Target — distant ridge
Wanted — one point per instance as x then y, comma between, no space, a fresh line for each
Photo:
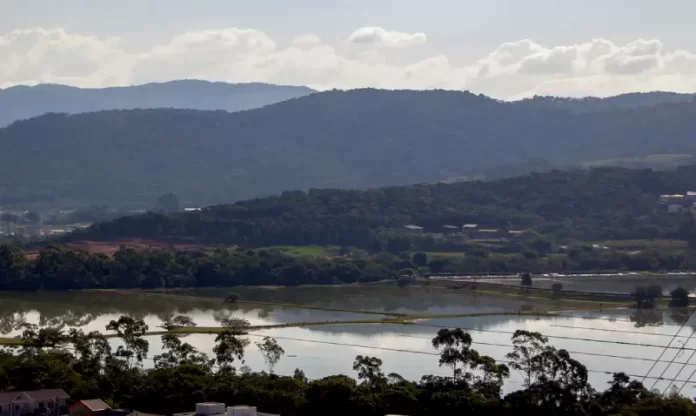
23,102
334,139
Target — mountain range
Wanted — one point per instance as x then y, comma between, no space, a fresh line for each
22,102
335,139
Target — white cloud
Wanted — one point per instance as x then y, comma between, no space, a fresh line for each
512,70
377,36
306,40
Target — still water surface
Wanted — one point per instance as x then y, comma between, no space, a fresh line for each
605,341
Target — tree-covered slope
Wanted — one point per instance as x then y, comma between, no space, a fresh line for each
586,205
354,139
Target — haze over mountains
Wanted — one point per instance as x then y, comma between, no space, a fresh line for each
24,102
335,139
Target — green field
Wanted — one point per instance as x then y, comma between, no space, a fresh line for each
320,251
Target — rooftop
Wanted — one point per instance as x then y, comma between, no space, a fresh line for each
413,227
35,395
469,225
95,405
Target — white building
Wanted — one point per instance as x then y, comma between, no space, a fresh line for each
47,402
219,409
413,229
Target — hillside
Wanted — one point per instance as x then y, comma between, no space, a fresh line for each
600,204
619,102
354,139
24,102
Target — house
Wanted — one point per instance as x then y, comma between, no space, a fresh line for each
515,233
191,209
48,402
219,409
413,229
450,229
467,227
675,208
91,407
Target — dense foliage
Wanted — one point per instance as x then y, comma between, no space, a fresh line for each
553,382
344,139
601,204
57,268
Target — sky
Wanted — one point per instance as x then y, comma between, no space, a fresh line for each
507,49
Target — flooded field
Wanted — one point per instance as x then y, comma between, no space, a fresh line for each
618,283
605,341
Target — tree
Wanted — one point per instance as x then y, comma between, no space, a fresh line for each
526,279
180,321
177,353
420,259
131,331
369,370
236,326
548,372
232,298
271,351
404,281
228,346
455,352
527,348
680,298
91,351
557,288
645,296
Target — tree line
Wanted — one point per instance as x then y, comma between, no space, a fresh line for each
599,204
61,268
87,366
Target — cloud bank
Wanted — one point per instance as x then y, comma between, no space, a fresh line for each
513,70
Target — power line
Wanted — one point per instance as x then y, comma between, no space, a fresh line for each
592,354
685,381
676,334
617,330
683,365
601,341
598,318
416,352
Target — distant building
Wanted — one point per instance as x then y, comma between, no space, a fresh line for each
515,233
47,402
488,234
466,227
450,229
675,208
192,209
413,229
218,409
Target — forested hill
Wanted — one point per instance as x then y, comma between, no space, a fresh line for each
587,205
619,102
24,102
354,139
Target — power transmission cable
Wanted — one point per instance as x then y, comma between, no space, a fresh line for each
676,334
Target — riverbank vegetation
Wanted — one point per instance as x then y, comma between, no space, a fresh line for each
86,366
59,268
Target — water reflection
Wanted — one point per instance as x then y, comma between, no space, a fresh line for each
606,341
95,309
